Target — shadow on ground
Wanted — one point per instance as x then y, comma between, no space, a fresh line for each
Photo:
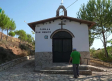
30,64
7,55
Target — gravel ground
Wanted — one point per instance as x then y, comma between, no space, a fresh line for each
25,72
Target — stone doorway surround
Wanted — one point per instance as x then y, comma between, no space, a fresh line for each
58,30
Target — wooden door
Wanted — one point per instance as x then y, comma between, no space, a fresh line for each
62,49
57,50
67,49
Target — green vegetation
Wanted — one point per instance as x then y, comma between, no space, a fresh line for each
29,38
23,47
9,25
25,37
11,33
6,23
26,48
3,21
0,10
21,35
100,54
99,11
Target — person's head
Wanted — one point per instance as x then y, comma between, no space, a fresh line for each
74,49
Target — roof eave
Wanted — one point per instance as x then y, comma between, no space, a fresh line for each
92,25
33,24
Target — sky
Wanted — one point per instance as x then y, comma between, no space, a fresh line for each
35,10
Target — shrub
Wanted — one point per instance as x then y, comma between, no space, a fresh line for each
25,53
6,55
109,49
92,51
100,54
11,34
23,47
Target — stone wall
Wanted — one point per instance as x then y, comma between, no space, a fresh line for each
42,58
84,54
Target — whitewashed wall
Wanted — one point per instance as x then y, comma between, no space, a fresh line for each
80,31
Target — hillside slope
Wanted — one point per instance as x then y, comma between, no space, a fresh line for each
12,48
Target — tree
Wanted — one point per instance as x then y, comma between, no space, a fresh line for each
33,32
3,21
110,41
33,41
0,10
91,39
7,25
29,38
11,33
99,11
21,35
10,26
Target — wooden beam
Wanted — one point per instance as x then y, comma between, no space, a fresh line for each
49,21
89,25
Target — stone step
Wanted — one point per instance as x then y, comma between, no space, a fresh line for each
65,68
81,72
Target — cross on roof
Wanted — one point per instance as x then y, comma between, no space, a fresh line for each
62,24
61,2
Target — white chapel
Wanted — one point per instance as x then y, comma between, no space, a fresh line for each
56,37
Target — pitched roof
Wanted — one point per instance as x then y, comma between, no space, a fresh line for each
89,23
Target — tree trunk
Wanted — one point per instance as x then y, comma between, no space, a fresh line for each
7,35
20,40
104,43
1,34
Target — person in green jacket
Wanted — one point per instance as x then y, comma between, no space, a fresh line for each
76,60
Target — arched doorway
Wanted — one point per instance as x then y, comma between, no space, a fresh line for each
62,46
